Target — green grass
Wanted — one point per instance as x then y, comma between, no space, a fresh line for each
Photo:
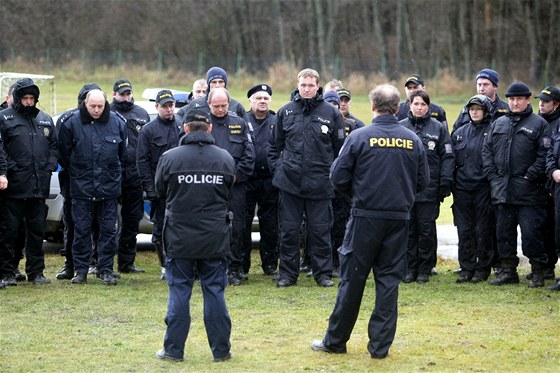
442,326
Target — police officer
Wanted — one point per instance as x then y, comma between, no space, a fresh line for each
216,77
3,183
422,244
345,105
472,209
340,203
549,109
416,83
132,204
156,137
382,167
486,84
232,134
260,191
92,144
306,139
67,272
30,147
195,180
514,156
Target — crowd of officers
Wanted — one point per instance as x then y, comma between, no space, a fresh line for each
500,161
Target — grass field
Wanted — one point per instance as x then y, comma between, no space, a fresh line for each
443,327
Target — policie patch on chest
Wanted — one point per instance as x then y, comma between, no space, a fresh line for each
234,129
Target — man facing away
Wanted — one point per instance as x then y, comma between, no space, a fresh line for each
194,181
382,166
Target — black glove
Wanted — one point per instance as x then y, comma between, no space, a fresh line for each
149,194
444,191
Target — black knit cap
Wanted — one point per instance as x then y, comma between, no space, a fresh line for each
518,89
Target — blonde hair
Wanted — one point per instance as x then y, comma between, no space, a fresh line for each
305,73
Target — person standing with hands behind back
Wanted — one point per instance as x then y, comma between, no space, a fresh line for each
375,159
196,235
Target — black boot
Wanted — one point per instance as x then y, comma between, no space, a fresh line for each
506,276
66,273
537,280
555,287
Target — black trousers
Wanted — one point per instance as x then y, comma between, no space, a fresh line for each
236,205
132,210
378,245
263,196
341,206
531,221
318,220
473,216
422,238
31,214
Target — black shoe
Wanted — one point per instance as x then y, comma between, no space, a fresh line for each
222,359
284,283
464,277
270,271
116,275
555,287
9,280
131,269
242,276
161,354
40,279
479,277
325,283
422,278
66,273
506,276
379,356
80,279
336,272
548,274
317,345
107,278
410,277
19,276
2,285
234,280
537,280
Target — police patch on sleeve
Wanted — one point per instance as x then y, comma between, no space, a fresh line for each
341,133
448,149
546,142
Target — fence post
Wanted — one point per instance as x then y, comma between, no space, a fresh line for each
160,64
336,68
238,63
119,57
200,63
83,59
48,59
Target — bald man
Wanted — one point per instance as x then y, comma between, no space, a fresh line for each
92,144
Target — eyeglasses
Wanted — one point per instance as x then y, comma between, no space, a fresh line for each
474,108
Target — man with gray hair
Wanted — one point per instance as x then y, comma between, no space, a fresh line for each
375,159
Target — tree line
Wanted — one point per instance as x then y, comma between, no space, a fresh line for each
337,37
